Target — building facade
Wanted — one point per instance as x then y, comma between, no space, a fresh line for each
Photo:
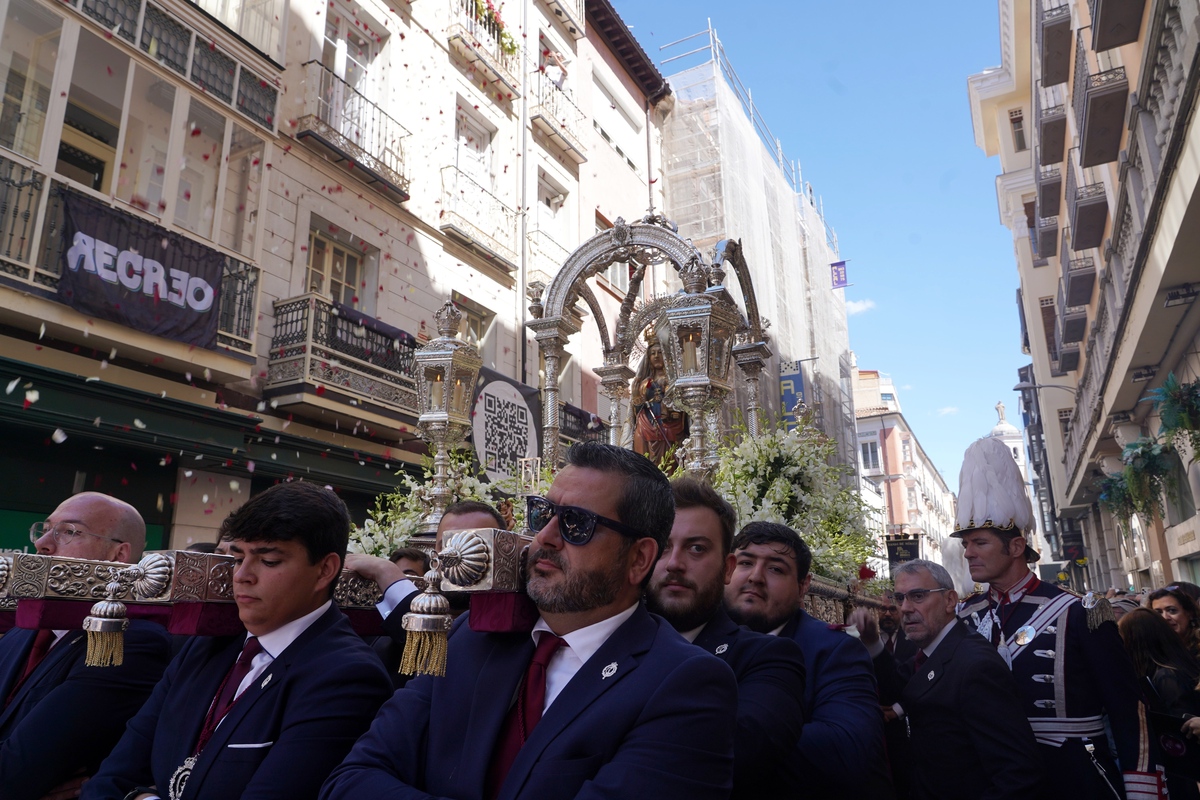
226,229
918,506
1091,114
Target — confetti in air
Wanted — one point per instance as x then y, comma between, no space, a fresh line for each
58,436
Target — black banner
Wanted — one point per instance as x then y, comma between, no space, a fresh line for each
902,550
506,424
126,270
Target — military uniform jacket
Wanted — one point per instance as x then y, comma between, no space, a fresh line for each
1070,666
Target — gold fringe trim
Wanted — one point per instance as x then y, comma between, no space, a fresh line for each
1099,614
105,649
424,653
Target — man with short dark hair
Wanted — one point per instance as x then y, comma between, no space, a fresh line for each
969,739
60,717
687,588
841,749
412,561
267,714
604,699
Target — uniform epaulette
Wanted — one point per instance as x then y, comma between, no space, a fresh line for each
1070,591
972,603
1099,614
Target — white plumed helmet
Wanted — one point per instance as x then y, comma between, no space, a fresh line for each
991,493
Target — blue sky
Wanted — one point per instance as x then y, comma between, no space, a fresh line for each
871,98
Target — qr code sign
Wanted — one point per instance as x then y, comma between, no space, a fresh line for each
506,434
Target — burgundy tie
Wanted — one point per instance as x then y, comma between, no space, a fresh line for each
41,646
891,643
919,660
524,715
227,694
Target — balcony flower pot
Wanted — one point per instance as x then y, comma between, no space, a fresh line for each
1148,475
1115,499
1178,408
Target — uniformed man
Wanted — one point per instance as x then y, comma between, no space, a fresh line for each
1065,651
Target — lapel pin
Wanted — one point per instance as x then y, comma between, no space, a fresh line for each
608,671
929,676
721,648
266,680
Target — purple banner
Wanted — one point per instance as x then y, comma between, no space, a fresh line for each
126,270
838,268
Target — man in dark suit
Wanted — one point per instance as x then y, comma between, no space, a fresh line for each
604,699
687,589
270,713
969,738
841,749
60,717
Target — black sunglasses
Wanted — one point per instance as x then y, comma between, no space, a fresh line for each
575,525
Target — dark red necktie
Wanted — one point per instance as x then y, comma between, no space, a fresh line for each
891,644
524,715
919,660
41,646
227,694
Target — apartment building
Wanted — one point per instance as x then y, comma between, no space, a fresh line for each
1091,114
918,506
225,227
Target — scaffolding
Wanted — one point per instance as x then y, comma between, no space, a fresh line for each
725,175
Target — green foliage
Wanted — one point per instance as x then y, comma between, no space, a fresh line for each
489,14
793,477
1178,407
1115,498
1149,475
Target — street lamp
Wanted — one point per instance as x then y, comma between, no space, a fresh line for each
447,370
696,331
1026,385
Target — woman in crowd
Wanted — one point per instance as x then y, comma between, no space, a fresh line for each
1177,607
1160,657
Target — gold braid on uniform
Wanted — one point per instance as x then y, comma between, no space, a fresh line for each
1099,614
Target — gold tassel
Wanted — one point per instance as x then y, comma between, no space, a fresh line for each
1099,613
105,627
427,627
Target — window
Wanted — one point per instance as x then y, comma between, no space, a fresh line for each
143,169
260,22
243,185
28,50
887,397
196,197
333,269
1017,120
474,143
870,455
552,217
1064,420
476,319
92,123
906,447
618,127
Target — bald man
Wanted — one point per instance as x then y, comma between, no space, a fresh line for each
60,718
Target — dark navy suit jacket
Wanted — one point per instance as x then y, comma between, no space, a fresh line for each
67,716
648,715
841,748
770,715
970,738
282,737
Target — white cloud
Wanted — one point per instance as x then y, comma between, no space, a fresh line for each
906,387
948,410
858,306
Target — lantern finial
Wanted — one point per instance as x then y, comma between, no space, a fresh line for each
448,318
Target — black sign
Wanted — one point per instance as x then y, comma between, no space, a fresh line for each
124,269
901,550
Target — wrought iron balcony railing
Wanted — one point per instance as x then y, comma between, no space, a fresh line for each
478,218
480,37
350,128
32,239
570,14
1099,98
557,116
578,425
319,342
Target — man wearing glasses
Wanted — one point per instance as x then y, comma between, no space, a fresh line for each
967,734
601,695
60,718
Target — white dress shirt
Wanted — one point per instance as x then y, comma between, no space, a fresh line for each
276,642
581,645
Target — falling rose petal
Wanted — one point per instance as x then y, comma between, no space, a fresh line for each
187,473
320,390
42,331
250,467
207,374
204,499
12,385
31,396
187,376
159,503
141,426
112,354
96,422
92,379
58,436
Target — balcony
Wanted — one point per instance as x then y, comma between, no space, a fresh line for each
1072,321
570,14
1054,42
556,115
1087,207
326,357
345,126
480,40
476,218
1068,358
1049,188
1100,103
1079,274
546,256
1115,22
577,425
1047,236
32,240
1051,119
